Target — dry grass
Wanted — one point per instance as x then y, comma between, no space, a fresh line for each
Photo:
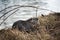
17,35
48,29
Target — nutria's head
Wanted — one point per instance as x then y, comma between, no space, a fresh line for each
33,20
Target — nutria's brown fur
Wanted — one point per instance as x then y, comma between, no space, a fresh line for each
25,25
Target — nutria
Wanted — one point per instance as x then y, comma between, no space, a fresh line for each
25,25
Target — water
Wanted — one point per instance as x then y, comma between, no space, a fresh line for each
23,13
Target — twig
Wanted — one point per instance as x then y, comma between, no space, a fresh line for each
8,16
16,8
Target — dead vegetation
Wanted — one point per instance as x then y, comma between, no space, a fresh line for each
48,29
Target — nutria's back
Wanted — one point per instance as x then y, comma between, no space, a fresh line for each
23,25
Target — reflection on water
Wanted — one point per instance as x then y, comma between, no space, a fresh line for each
22,14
